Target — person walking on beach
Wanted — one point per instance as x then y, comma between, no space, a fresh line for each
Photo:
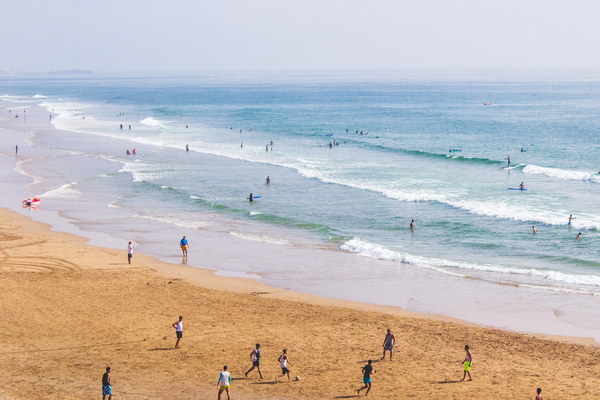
467,363
255,358
106,386
283,363
183,243
539,394
367,371
224,382
178,325
129,252
388,344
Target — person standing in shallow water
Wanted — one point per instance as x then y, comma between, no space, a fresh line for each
412,224
183,243
129,252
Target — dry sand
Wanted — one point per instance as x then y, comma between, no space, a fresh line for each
69,310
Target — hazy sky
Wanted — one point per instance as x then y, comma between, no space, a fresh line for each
105,35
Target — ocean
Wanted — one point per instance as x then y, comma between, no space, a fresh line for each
350,163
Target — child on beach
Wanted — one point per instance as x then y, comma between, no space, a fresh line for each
224,382
367,371
283,363
255,358
467,363
539,394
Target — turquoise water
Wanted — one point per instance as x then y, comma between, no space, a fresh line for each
358,196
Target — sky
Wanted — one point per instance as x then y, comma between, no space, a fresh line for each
301,35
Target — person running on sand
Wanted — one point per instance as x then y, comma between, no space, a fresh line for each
106,386
283,363
467,363
178,325
367,371
539,394
183,243
388,344
129,252
224,382
255,358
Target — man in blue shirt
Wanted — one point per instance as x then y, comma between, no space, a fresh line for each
184,246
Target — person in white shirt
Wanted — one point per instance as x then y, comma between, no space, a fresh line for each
224,382
178,325
283,363
129,252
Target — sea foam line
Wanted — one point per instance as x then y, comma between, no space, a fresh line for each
366,249
584,176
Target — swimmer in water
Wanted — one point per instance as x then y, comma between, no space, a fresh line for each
412,224
268,180
522,186
533,230
578,237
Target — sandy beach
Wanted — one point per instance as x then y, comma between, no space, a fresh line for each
70,309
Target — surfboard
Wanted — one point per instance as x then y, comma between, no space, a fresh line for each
256,197
515,188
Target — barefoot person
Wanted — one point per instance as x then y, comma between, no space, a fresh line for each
106,387
467,363
255,358
224,382
283,363
388,344
539,394
367,371
183,243
178,325
129,252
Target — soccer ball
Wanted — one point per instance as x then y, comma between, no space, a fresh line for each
297,378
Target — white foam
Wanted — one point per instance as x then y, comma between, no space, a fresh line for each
142,172
259,238
114,205
173,220
371,250
563,174
64,192
39,96
154,122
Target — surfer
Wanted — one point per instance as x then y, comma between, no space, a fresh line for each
268,180
522,186
412,224
250,198
578,237
508,161
571,218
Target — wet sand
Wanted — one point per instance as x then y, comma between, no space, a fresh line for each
70,309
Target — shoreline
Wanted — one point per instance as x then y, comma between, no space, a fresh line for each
423,277
60,283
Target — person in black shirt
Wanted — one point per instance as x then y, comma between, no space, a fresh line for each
367,371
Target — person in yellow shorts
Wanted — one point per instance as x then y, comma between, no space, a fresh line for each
224,382
183,243
467,363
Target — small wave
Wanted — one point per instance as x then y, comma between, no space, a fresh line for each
64,192
371,250
154,122
259,238
141,172
255,213
176,221
39,96
563,174
114,205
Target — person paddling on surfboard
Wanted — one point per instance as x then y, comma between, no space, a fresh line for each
522,186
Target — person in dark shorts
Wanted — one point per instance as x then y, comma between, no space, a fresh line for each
178,325
388,344
367,371
283,363
255,358
129,252
106,387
